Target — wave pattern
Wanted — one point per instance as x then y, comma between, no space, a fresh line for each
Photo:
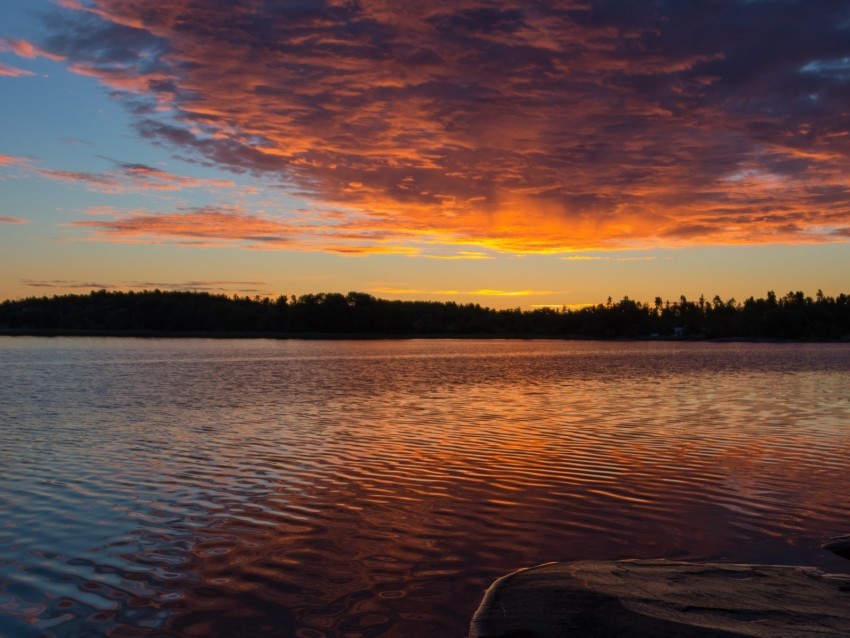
374,489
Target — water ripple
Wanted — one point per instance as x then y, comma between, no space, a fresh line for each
373,489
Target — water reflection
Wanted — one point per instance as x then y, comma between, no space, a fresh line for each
309,489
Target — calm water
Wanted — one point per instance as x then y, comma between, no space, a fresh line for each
365,489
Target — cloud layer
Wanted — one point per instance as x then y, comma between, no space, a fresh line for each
216,287
125,177
521,126
129,177
234,226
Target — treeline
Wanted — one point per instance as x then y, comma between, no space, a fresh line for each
794,316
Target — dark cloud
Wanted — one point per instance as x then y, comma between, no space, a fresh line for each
65,283
516,125
244,287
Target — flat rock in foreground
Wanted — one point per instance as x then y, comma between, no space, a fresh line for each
664,599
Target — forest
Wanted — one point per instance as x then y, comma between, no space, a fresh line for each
794,316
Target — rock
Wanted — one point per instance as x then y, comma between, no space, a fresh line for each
838,545
664,599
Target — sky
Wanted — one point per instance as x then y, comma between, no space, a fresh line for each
507,153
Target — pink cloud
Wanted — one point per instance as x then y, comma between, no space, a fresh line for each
130,177
25,49
233,226
13,220
8,160
13,72
199,226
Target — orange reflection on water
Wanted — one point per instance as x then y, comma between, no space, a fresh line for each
375,488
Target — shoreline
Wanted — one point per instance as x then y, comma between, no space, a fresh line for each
355,336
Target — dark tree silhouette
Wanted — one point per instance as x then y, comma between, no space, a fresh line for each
792,316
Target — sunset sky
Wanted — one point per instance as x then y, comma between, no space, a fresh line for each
501,152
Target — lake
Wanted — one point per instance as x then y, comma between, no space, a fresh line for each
364,489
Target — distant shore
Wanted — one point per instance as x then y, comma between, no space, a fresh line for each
317,336
790,318
356,336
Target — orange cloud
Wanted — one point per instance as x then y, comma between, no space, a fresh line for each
494,125
13,220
